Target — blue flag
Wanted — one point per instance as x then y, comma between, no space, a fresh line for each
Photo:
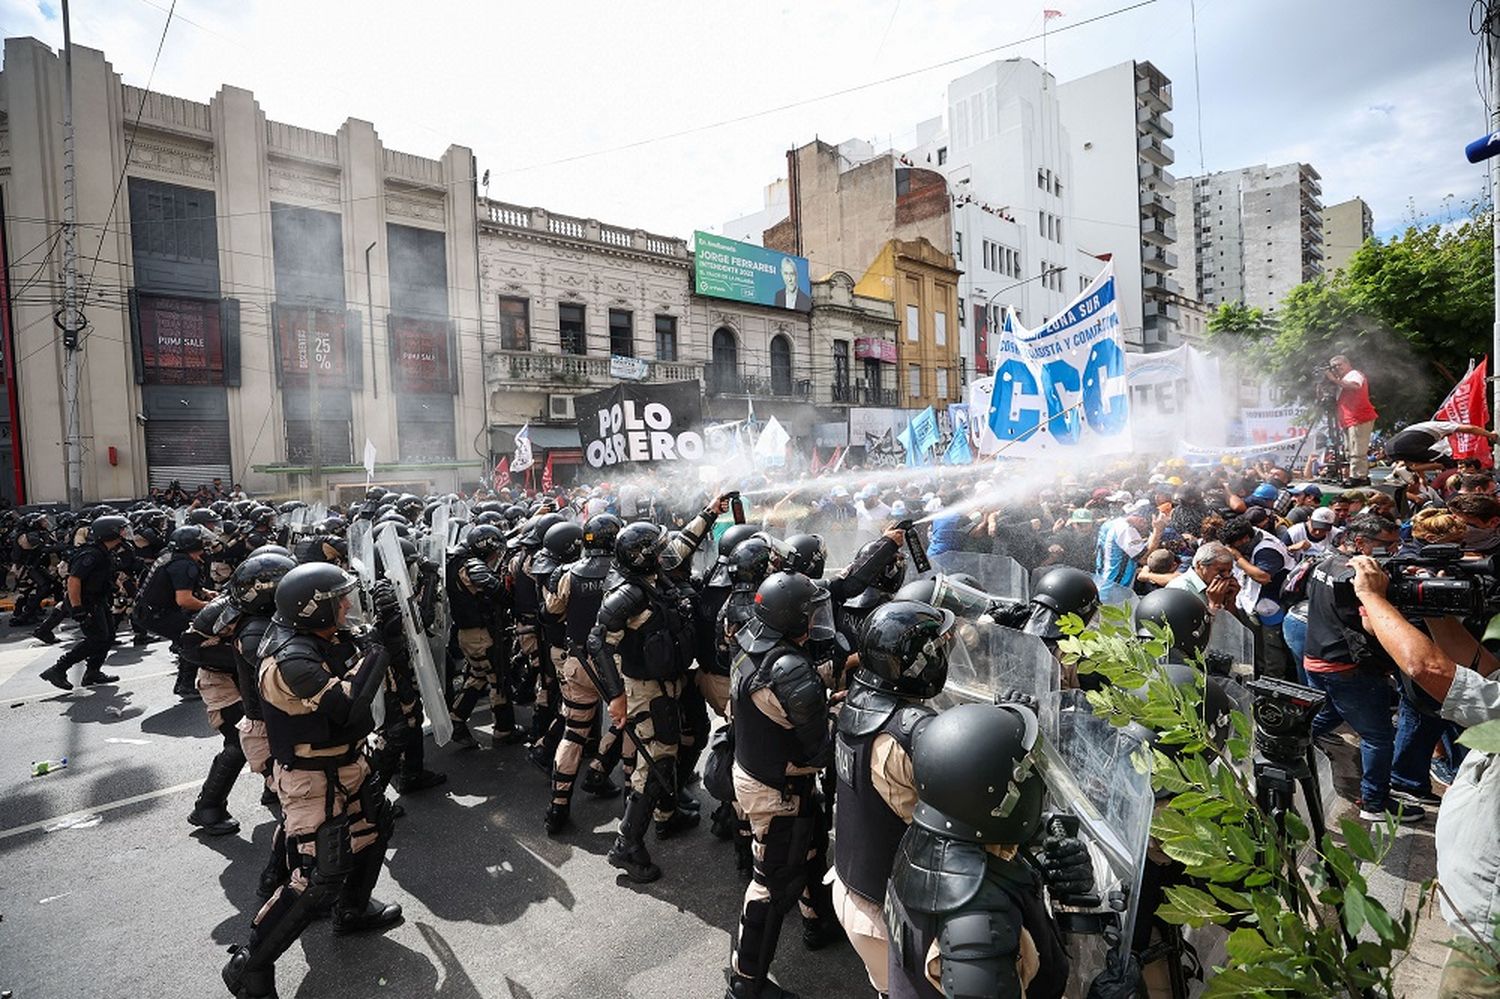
959,452
906,439
924,428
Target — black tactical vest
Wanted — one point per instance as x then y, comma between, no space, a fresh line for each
763,748
285,732
588,581
525,596
653,650
249,633
466,606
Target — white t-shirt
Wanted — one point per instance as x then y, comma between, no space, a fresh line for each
871,517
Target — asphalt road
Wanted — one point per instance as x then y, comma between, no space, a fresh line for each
106,891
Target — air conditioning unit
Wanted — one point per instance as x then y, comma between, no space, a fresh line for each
560,407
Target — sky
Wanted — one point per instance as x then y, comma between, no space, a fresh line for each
671,115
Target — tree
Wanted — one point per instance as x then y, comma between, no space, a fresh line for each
1409,312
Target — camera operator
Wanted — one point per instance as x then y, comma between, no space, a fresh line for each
1344,663
1468,866
1356,415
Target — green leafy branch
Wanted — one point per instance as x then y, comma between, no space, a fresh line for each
1293,930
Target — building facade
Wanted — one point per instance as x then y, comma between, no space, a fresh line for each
1123,194
261,299
1346,226
1257,233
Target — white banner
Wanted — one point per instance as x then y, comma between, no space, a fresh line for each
1265,424
1060,390
1175,398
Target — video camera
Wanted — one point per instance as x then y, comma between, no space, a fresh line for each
1284,713
1440,582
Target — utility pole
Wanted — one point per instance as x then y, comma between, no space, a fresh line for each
1492,36
71,322
315,414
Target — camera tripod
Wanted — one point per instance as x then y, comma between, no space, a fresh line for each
1337,468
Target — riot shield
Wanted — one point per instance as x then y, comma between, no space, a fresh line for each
1092,773
1118,596
987,661
179,516
437,553
1231,638
429,681
962,599
1000,575
362,561
842,541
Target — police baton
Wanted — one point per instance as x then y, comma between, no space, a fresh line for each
629,729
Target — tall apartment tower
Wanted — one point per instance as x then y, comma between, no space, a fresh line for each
1257,233
1116,120
1346,226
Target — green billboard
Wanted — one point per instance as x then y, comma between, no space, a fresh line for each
744,272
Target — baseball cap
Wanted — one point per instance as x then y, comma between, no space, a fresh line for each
1081,516
1121,496
1139,508
1323,515
1308,490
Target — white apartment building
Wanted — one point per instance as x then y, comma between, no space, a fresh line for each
1007,156
1122,193
1257,233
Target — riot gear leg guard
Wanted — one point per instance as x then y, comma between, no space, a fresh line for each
277,870
210,811
629,852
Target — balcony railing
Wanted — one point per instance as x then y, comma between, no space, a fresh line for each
860,394
509,216
722,380
1158,258
535,368
1157,202
1158,232
1151,121
1153,149
1154,93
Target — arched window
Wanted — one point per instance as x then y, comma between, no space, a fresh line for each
724,370
781,365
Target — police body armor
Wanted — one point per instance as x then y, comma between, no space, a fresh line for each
554,629
208,639
763,748
250,631
526,597
157,596
306,663
954,893
588,580
651,651
866,829
471,609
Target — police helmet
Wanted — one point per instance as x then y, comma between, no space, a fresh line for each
600,532
564,541
807,554
271,550
787,603
308,596
903,648
537,528
203,517
109,528
409,506
749,563
974,774
1183,612
638,547
252,586
484,540
733,535
1066,590
188,538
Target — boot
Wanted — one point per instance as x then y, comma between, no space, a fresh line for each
356,911
247,984
629,851
407,783
57,676
687,803
539,757
820,931
597,783
741,987
754,947
209,811
462,737
680,821
414,776
276,872
95,675
44,634
557,818
142,639
506,731
185,687
721,822
375,915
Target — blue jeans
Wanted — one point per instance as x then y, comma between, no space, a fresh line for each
1294,630
1417,735
1363,697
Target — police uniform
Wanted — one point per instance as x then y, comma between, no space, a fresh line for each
474,593
208,644
29,554
94,567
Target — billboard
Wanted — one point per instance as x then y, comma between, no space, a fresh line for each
420,359
638,425
309,338
744,272
180,341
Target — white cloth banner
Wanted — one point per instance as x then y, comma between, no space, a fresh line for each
1264,424
522,459
1175,398
1060,390
770,449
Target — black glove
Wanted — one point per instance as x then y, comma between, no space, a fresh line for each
1120,978
1067,865
1025,700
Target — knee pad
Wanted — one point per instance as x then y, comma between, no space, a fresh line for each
665,720
784,860
333,856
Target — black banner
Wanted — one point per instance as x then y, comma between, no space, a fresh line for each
638,425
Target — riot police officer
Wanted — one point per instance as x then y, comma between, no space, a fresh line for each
30,554
401,751
523,676
561,547
90,586
1181,611
574,599
317,682
207,644
781,741
636,648
173,592
966,915
903,661
1061,590
474,595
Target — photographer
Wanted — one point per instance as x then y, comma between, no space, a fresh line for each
1344,662
1356,415
1467,863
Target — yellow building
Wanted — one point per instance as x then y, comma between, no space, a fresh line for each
923,283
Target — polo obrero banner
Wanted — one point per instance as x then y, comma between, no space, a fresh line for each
639,425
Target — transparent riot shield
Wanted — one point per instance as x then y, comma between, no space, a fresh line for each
987,661
963,600
437,553
1093,773
1230,637
362,561
1118,596
997,574
317,513
179,516
429,681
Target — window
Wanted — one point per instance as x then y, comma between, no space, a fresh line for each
942,383
1057,186
570,328
666,338
515,323
961,323
724,369
841,370
942,155
958,244
781,365
621,333
913,323
940,328
1041,178
1041,223
914,381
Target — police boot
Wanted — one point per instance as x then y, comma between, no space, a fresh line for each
629,851
506,731
721,822
44,633
557,817
760,928
95,675
414,776
209,811
596,782
462,737
185,687
244,983
741,987
356,911
57,676
680,821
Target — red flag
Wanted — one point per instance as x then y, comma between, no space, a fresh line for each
1048,15
502,473
547,475
1467,404
816,466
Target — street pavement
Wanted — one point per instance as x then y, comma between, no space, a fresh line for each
106,891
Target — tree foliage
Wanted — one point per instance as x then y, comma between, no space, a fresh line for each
1294,928
1409,312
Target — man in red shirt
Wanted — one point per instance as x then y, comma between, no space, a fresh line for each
1356,416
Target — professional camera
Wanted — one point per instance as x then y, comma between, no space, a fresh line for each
1284,712
1440,582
